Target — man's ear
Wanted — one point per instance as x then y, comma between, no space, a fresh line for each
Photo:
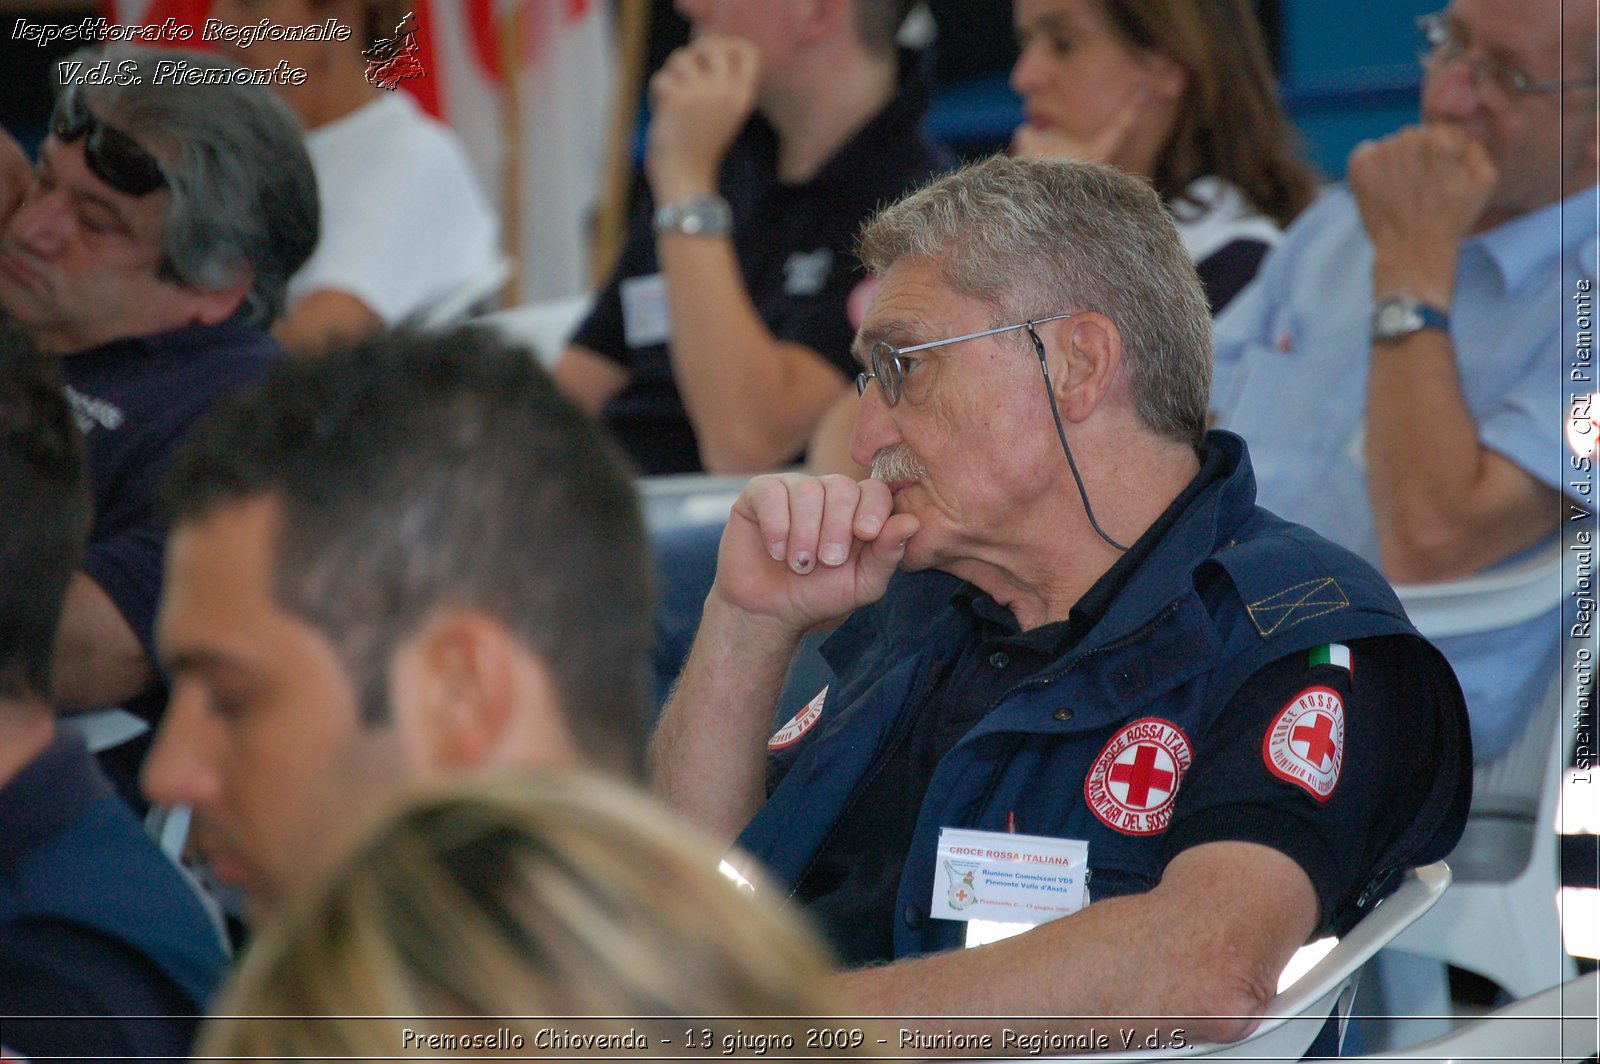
452,686
1085,352
214,305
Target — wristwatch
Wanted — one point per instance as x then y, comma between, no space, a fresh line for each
1397,317
696,216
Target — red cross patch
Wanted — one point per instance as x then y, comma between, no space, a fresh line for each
1305,744
799,724
1133,782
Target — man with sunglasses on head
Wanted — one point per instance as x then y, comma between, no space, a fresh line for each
1398,365
1072,653
149,252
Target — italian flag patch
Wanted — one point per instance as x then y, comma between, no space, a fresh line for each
1335,654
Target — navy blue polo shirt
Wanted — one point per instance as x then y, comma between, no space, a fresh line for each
851,887
796,249
136,400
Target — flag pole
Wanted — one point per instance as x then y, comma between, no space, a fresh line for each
611,216
508,30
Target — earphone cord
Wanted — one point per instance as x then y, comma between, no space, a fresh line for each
1061,434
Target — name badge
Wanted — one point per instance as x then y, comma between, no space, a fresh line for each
1003,884
645,321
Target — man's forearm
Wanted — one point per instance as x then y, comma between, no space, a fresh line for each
1202,952
752,399
1444,505
99,662
709,755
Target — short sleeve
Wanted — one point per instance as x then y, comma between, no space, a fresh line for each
404,223
128,567
1225,272
603,331
1339,758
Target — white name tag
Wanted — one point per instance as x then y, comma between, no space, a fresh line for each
645,321
1004,884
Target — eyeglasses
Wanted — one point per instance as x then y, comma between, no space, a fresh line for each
1441,47
113,156
890,371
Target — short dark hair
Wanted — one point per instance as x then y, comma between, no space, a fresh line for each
244,197
44,476
424,471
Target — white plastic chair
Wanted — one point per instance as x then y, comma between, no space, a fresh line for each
545,326
470,296
684,499
1561,1024
103,729
1500,919
1301,1009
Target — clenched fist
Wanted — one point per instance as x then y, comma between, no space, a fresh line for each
699,100
1421,192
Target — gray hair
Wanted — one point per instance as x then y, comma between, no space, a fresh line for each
244,198
1032,237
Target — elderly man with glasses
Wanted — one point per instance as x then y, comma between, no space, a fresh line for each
148,252
1398,366
1080,677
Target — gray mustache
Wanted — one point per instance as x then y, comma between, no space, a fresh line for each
897,463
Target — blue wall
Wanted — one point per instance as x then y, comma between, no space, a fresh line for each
1350,71
1350,74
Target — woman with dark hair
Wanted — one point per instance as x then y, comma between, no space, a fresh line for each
1181,92
1178,91
405,226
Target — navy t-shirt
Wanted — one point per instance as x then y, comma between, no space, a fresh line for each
796,249
136,400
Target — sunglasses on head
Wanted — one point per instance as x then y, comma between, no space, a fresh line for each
113,156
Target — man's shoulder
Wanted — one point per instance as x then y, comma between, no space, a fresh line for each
1278,564
1285,588
1332,218
127,896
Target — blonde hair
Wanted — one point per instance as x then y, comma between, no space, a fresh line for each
522,898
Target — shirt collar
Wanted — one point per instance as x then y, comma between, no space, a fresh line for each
994,619
1521,246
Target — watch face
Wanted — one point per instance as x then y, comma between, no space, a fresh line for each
1395,318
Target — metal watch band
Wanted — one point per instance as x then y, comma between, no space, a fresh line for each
696,216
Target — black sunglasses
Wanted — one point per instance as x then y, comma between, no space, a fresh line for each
113,156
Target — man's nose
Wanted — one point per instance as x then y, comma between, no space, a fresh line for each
42,223
874,429
180,768
1450,90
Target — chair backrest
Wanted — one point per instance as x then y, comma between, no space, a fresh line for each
545,326
1559,1024
682,500
466,299
1519,789
1300,1010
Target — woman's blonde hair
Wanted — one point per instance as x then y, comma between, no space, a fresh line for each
524,898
